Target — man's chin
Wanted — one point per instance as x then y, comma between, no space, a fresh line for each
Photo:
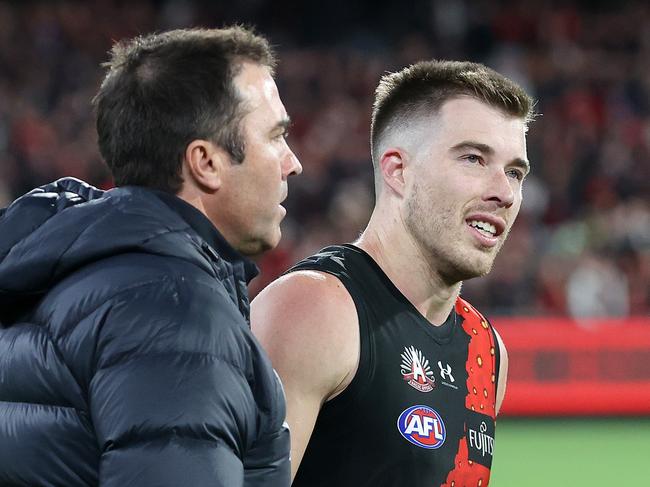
257,246
470,268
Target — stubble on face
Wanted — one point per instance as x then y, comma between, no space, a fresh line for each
446,186
435,227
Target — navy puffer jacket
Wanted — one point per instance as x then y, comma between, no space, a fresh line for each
126,357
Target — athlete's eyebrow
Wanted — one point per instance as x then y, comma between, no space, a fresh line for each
487,150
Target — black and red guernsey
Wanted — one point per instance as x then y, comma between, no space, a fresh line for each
420,410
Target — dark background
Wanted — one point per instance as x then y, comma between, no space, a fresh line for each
581,245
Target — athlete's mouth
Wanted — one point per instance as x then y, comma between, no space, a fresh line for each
484,228
487,225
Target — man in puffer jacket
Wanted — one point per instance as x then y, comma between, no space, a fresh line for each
126,357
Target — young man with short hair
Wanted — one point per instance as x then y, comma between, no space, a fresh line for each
391,378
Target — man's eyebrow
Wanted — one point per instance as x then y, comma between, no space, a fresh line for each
486,149
283,124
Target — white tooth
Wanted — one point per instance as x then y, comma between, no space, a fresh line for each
485,226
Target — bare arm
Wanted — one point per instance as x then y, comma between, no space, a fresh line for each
503,372
308,324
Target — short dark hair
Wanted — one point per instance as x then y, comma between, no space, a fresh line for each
422,88
164,90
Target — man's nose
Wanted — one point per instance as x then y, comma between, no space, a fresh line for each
500,189
292,165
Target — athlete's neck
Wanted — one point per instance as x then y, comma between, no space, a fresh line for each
415,277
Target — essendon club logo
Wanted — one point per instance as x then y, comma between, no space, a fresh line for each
422,426
416,371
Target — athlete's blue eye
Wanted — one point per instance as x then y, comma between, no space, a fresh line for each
515,174
473,158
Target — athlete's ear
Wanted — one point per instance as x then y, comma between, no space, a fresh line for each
392,169
204,163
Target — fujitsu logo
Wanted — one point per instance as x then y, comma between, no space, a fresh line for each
416,371
480,440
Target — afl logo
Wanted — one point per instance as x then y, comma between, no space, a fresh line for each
422,426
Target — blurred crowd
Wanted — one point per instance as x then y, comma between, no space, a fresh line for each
581,245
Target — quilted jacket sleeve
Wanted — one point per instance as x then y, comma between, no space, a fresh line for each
170,400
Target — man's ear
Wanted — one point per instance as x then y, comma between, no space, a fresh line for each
205,163
392,165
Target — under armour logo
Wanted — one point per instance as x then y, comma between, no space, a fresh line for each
445,372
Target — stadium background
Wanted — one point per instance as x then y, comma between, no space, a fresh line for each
571,288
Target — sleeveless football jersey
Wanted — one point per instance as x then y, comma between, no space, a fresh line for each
420,410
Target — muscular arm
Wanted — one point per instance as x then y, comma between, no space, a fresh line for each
308,324
503,372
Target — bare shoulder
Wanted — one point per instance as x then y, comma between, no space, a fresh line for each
503,352
308,301
503,370
307,322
